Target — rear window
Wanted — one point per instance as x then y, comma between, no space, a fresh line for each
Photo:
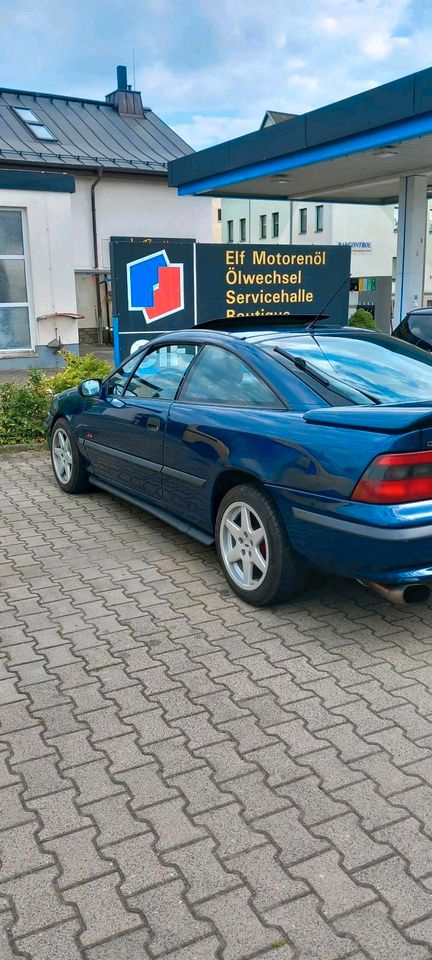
384,368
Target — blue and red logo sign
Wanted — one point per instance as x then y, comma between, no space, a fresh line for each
155,286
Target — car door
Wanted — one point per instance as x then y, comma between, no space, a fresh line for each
221,397
125,429
100,426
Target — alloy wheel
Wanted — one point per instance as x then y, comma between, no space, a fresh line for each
62,456
244,545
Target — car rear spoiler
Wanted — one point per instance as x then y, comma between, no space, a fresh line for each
265,322
391,419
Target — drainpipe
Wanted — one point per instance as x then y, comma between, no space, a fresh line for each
95,252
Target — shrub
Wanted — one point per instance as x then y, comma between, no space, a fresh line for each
77,369
362,318
24,406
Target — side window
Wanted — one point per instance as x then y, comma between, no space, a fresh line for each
420,325
114,386
159,374
221,378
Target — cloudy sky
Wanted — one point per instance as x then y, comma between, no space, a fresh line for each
211,68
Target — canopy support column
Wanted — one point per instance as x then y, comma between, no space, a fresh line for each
411,245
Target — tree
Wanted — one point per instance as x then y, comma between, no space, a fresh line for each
362,318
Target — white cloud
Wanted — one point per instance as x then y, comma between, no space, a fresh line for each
379,46
293,58
330,25
202,130
213,68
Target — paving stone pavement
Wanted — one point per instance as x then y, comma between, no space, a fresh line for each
185,777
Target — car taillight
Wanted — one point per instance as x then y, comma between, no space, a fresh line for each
396,478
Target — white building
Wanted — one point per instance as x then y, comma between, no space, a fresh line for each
368,229
73,174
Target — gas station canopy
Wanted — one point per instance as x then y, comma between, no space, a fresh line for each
354,150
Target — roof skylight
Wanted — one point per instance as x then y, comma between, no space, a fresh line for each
32,122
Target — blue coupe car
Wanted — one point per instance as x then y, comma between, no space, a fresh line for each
292,447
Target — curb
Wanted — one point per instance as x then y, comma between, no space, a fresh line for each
10,448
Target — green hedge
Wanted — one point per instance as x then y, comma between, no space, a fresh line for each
24,406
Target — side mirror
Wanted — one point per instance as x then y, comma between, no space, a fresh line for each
90,388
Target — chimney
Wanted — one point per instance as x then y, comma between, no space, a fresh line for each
122,78
126,101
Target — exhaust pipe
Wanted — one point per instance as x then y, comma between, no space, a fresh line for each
405,593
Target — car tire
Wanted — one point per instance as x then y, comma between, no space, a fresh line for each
253,548
68,465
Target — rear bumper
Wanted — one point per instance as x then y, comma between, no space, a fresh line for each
405,578
394,534
390,544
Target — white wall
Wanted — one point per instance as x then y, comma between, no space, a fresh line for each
342,223
353,223
135,208
428,263
251,210
48,235
60,240
311,236
216,220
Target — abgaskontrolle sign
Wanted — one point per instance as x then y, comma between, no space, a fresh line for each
169,284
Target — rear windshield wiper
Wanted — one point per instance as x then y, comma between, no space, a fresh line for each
301,364
370,396
334,383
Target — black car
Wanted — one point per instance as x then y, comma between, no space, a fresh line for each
416,328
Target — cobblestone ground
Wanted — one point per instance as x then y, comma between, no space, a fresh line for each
184,777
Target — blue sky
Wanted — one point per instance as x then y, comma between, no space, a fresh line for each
211,68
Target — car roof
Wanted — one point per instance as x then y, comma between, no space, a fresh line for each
277,326
263,334
419,310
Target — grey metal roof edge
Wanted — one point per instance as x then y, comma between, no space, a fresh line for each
74,169
397,100
57,96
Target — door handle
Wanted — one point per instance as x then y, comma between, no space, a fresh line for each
153,423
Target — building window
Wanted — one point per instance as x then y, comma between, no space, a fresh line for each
394,267
219,214
395,219
230,231
275,224
32,122
319,218
263,226
303,220
242,225
14,306
430,219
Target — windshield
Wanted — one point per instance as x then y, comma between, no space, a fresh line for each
381,367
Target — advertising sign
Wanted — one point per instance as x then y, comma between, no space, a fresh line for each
153,287
249,280
165,284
